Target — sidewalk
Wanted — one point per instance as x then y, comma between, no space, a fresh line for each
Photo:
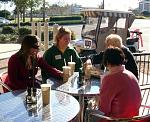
6,50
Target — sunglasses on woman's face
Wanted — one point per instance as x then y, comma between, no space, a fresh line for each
35,46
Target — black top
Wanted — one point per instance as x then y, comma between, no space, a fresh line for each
130,63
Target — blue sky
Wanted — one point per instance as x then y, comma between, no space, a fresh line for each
109,4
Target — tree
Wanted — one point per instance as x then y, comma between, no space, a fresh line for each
5,13
5,1
22,5
43,10
19,4
32,4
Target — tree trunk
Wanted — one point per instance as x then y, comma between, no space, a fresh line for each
23,14
43,10
18,18
31,14
15,18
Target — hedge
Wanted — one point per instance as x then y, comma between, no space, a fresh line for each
64,18
69,22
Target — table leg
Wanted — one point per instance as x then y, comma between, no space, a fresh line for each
81,114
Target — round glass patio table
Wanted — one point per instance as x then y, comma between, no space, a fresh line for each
13,107
89,89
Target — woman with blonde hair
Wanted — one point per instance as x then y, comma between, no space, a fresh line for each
114,40
61,52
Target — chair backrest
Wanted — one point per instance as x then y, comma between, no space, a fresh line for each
145,118
1,88
145,105
144,111
143,63
2,84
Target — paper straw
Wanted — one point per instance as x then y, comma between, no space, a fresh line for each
71,58
65,62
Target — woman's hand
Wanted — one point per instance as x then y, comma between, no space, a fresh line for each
61,74
88,62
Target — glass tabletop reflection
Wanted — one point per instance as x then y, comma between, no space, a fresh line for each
89,88
63,108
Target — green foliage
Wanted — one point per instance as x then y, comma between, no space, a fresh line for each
4,13
21,4
146,13
24,31
67,22
2,38
8,38
8,30
5,1
34,3
25,24
65,18
50,35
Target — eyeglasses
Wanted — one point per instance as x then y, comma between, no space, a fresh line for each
35,46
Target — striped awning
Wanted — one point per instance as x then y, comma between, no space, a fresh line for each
106,13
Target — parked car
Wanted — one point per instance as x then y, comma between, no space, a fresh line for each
4,21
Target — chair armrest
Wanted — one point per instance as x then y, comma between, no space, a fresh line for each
95,114
144,87
145,106
4,85
101,115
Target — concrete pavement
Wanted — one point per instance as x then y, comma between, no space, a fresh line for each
6,50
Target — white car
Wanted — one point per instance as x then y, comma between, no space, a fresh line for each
4,21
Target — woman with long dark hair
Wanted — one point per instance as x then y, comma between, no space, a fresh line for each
23,65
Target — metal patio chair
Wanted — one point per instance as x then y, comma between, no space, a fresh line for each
143,63
2,84
144,111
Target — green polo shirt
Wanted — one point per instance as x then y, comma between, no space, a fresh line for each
55,58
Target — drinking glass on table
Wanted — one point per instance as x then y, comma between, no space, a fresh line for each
66,73
46,94
88,69
72,66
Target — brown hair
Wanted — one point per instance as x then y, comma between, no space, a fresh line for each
28,42
61,32
113,56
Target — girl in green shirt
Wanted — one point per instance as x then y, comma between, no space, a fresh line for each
61,51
